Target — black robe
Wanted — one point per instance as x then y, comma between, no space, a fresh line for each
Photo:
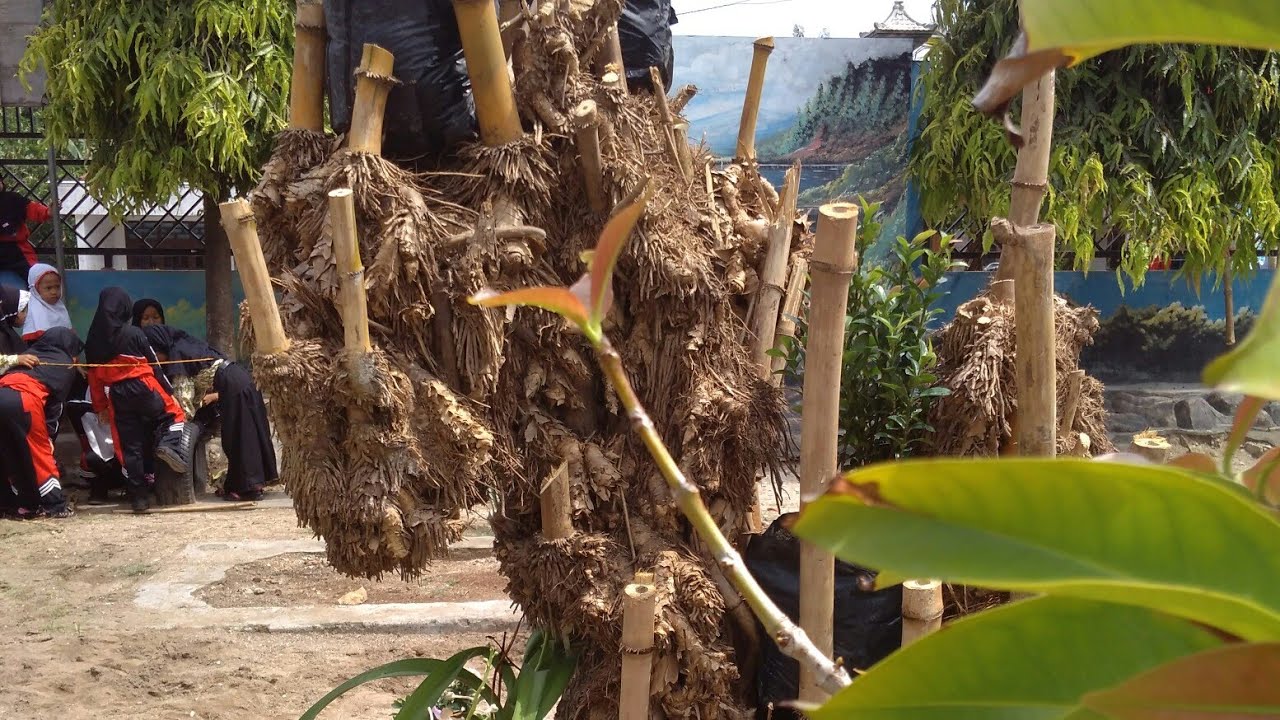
57,347
10,337
246,431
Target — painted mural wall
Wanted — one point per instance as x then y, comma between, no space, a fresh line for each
839,106
181,292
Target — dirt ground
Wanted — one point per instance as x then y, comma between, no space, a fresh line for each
76,646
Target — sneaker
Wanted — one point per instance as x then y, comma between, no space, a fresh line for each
171,457
65,511
139,503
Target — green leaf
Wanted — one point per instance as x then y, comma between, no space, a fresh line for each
1144,535
399,668
1252,368
1032,660
559,300
1228,683
605,256
427,695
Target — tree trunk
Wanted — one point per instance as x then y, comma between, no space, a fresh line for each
220,310
1228,296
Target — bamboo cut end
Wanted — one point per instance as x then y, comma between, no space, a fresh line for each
310,15
376,61
340,193
922,599
235,213
765,45
585,114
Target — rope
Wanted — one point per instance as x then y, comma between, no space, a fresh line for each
111,365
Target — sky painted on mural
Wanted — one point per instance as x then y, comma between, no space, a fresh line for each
754,18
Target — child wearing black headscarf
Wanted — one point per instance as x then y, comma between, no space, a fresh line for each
134,394
148,312
246,432
30,406
13,312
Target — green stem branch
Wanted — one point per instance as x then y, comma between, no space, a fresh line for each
791,640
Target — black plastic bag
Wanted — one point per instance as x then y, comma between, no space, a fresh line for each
868,624
644,30
430,111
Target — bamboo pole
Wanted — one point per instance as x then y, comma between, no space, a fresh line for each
638,621
667,122
373,82
682,98
237,220
681,130
306,91
764,322
790,311
608,64
922,608
586,123
1075,386
556,505
746,149
1229,299
487,67
353,302
1037,378
1031,174
835,256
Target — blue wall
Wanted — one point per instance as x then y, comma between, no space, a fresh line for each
1100,289
181,292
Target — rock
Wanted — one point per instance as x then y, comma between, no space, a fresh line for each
1272,409
1197,414
1126,423
1225,403
355,597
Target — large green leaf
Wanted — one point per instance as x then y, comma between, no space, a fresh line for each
1033,660
1253,368
398,668
1153,536
427,695
1227,683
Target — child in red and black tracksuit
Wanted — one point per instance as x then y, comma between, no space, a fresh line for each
133,393
30,406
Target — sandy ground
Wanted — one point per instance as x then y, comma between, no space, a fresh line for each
75,646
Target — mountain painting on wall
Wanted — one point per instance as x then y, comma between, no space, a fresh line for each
838,106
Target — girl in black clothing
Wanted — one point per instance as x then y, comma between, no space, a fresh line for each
148,312
128,386
30,406
13,312
228,387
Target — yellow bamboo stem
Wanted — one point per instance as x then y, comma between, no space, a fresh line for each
666,121
556,506
835,257
764,323
609,65
237,220
586,125
790,311
1031,173
751,105
921,609
487,67
373,82
306,91
353,302
638,620
1037,377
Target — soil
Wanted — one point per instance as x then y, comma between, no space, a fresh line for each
296,579
75,646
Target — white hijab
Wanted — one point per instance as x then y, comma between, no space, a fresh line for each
41,315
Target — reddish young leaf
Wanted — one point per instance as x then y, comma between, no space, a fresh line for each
559,300
1265,473
605,257
1229,683
1245,415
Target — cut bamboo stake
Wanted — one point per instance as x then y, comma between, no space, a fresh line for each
1037,378
1152,447
682,146
306,91
790,311
556,506
1031,173
746,149
353,302
921,609
586,123
373,82
764,323
638,621
1075,386
835,257
487,67
667,121
237,220
609,65
682,98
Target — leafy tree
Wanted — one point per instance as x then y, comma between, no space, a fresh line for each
1172,148
168,93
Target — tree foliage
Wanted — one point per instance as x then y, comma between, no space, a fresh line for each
1170,147
166,92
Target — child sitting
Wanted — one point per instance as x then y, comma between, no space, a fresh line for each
13,312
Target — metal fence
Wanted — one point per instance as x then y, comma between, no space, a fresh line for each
82,232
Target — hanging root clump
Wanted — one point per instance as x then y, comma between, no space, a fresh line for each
386,447
976,362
